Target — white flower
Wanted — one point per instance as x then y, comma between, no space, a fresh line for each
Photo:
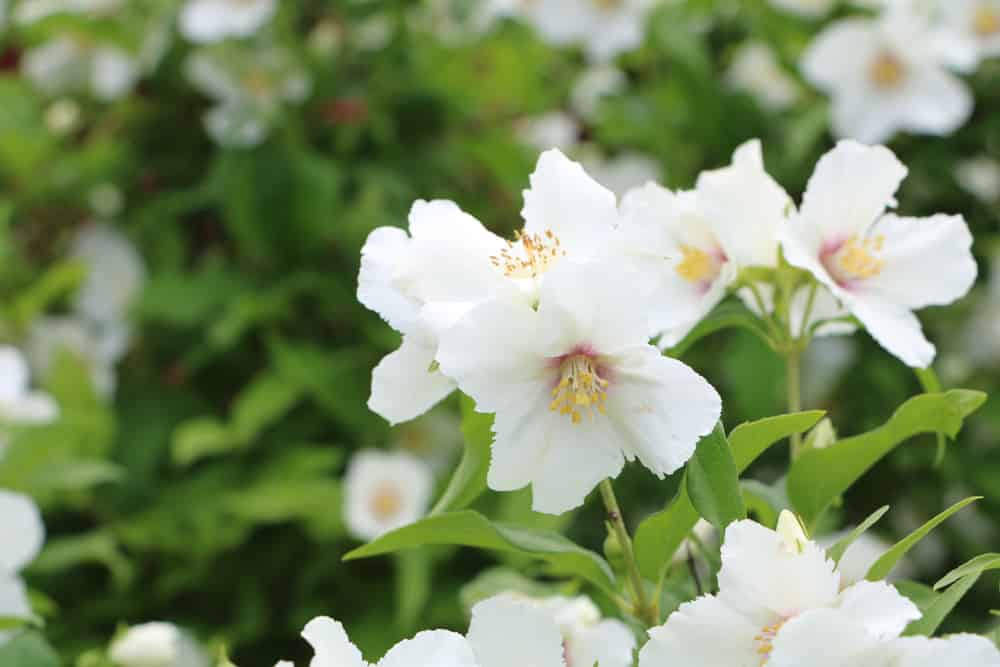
980,176
690,246
861,555
62,117
623,171
576,388
423,283
779,598
67,65
593,85
384,491
556,129
954,650
808,8
968,31
98,346
876,263
249,91
156,644
209,21
587,638
886,75
115,274
604,27
503,633
30,11
18,403
755,70
21,534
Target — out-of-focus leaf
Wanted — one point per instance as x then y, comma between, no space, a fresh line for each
469,480
63,553
819,476
201,437
726,315
836,552
713,481
28,649
58,280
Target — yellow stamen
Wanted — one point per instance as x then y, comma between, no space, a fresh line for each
887,71
529,255
765,640
580,390
387,501
858,259
986,22
696,265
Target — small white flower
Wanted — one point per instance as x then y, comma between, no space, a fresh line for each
980,176
556,129
886,75
21,534
62,116
209,21
875,263
423,283
503,632
575,386
435,437
116,274
755,70
624,171
812,9
18,403
98,346
779,598
968,31
156,644
67,64
384,491
593,85
605,28
690,246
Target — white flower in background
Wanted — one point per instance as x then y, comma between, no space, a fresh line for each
575,386
423,283
703,533
18,403
968,31
624,171
156,644
980,176
62,117
116,274
587,638
861,555
605,28
503,632
21,534
779,599
690,246
593,85
756,71
384,491
435,437
885,75
97,346
209,21
556,129
372,33
69,64
875,263
956,650
30,11
250,90
812,9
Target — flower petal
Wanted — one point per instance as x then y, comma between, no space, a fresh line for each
960,649
331,644
437,648
608,644
505,632
402,479
403,384
14,601
13,374
894,327
935,101
702,632
21,531
878,606
838,56
826,638
384,253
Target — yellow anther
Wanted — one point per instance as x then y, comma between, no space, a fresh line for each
387,501
887,71
696,265
986,21
765,640
529,255
857,259
580,389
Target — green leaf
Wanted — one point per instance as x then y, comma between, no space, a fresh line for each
58,281
413,586
200,437
819,476
471,529
727,315
931,384
880,569
265,401
29,650
935,612
659,536
713,481
836,552
469,480
980,563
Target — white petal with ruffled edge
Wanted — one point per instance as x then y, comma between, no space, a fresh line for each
957,650
706,632
506,632
878,606
433,648
404,383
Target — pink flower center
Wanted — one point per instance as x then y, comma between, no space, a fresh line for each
853,260
700,266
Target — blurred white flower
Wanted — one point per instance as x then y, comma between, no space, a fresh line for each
885,75
703,532
249,91
384,491
435,437
875,263
21,534
116,273
779,598
209,21
556,129
605,28
97,346
62,116
373,33
968,31
422,283
756,71
587,638
956,650
30,11
861,555
593,85
156,644
808,8
980,176
326,37
19,404
575,386
69,64
624,171
503,632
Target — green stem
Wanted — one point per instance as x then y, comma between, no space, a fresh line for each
643,610
794,385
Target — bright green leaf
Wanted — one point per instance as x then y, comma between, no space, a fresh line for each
837,551
469,480
713,482
29,650
201,437
935,612
980,563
